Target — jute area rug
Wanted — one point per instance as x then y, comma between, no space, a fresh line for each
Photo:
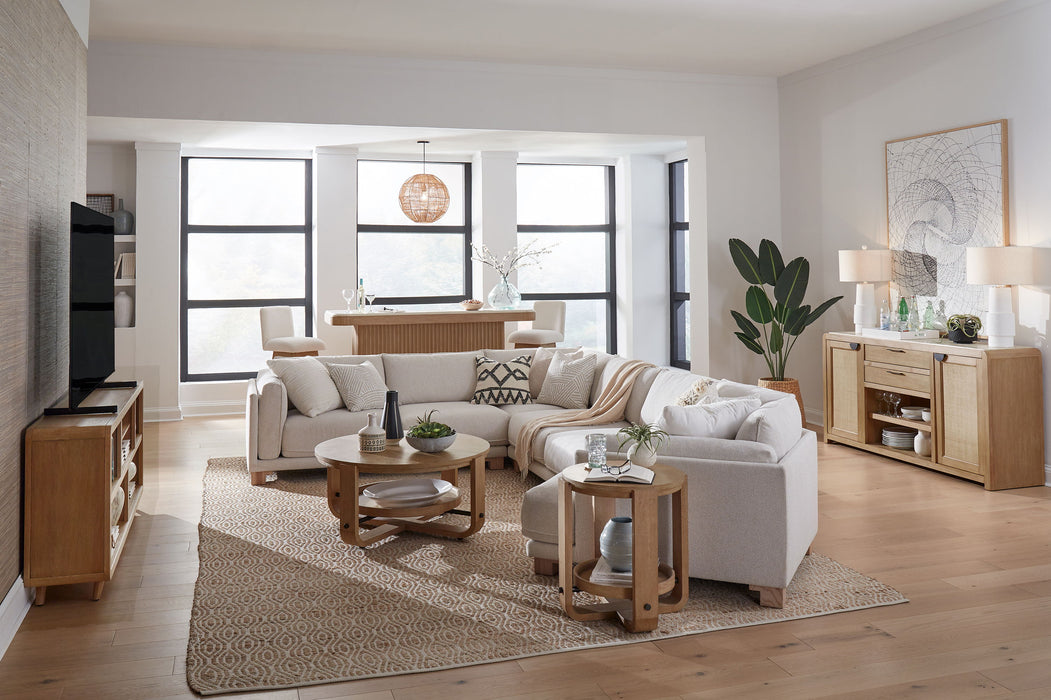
281,601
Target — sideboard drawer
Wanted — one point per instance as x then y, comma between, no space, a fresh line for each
907,379
921,359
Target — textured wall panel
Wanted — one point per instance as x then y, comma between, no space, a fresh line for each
43,148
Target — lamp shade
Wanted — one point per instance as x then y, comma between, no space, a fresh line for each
424,198
864,265
1000,265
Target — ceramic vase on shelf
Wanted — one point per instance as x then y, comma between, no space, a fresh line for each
392,419
123,309
615,543
922,443
504,295
642,455
123,220
372,438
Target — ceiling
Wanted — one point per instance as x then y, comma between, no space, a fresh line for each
733,37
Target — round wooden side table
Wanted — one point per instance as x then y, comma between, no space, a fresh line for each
655,588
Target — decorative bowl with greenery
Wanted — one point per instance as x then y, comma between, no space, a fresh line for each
643,442
428,435
963,328
782,319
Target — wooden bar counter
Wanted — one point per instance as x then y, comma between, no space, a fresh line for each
425,331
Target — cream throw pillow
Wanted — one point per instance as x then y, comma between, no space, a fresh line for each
568,382
719,419
541,363
704,390
360,386
309,387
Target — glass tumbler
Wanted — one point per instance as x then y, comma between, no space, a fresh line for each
596,446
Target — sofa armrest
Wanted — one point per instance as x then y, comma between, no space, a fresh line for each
716,449
266,409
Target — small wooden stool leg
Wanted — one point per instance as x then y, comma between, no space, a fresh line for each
41,594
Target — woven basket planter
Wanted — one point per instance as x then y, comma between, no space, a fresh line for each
789,386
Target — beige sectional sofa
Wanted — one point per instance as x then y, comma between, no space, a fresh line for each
752,492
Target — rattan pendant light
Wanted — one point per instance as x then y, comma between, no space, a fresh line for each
424,198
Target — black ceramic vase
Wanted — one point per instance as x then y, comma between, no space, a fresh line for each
958,336
392,419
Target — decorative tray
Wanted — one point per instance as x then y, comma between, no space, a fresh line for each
407,493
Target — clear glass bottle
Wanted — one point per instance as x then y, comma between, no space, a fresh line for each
914,314
939,318
884,316
928,317
361,294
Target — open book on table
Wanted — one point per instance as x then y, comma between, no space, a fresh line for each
631,473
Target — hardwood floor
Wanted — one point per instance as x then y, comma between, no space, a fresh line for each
975,564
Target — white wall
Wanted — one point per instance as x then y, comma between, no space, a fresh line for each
835,119
733,120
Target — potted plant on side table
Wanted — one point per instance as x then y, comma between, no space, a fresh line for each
781,320
643,442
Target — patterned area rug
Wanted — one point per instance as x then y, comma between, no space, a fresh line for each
281,601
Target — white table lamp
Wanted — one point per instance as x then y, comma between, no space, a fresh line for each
864,267
1000,266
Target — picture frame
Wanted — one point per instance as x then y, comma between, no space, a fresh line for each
946,191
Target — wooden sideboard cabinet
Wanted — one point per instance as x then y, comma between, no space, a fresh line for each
80,494
987,405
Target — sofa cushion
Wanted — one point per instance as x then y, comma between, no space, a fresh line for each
481,420
719,419
302,433
309,387
568,382
376,360
360,386
669,384
567,448
542,361
728,389
777,424
510,354
428,377
502,382
520,415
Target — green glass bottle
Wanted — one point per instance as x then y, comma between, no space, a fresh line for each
903,314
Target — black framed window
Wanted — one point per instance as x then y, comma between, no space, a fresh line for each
571,208
403,262
246,243
679,230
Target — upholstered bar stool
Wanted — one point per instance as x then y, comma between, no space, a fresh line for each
549,326
279,336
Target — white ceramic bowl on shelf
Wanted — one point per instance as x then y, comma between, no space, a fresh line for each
912,412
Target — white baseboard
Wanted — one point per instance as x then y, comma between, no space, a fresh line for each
12,611
1047,475
156,415
213,408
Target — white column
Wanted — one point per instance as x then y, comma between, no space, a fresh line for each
700,320
643,311
494,213
157,285
335,238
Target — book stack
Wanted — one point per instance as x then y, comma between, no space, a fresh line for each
604,574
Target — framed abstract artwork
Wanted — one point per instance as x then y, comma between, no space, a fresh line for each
946,192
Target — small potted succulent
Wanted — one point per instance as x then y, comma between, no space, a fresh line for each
643,442
963,328
429,435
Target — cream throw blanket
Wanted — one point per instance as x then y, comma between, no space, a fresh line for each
609,408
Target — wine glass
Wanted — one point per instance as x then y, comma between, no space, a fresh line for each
348,296
895,401
369,298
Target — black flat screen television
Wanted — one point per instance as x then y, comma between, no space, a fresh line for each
91,348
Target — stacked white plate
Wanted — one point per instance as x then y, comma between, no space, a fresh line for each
899,438
912,412
407,493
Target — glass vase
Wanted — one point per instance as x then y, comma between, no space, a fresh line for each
504,295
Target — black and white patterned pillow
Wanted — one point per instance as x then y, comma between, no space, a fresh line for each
360,386
501,383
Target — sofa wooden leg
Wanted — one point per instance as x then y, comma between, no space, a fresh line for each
809,550
495,462
258,478
770,597
545,567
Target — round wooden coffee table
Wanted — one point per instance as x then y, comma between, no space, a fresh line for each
655,588
356,511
